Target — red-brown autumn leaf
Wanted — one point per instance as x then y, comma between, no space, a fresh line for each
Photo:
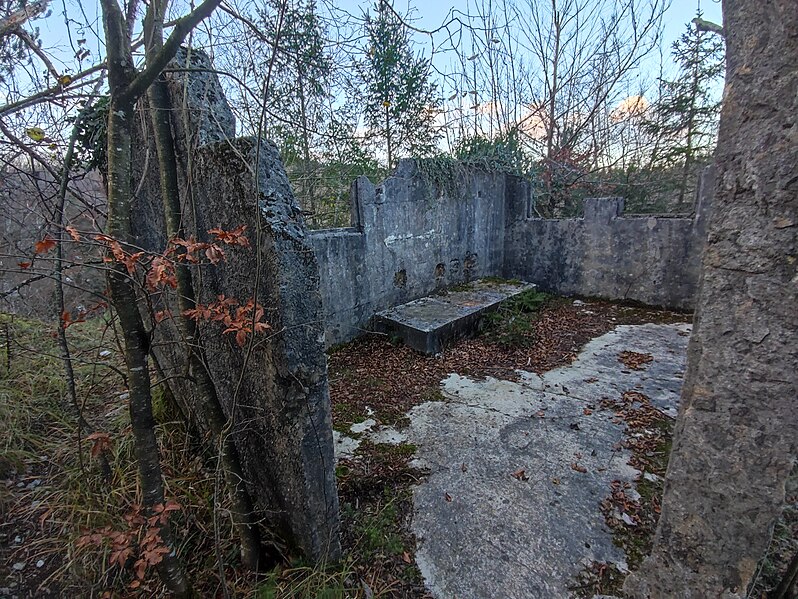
234,237
214,253
100,442
241,337
130,260
140,568
162,511
73,232
120,556
45,245
162,315
113,245
161,272
520,474
24,265
578,468
67,321
200,312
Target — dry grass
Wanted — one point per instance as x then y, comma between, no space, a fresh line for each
52,492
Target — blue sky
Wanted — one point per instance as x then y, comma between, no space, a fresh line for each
429,14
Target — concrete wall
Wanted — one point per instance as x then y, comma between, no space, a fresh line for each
274,394
408,240
652,259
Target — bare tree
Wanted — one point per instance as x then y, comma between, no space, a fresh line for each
126,85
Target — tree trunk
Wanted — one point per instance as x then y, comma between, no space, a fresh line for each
123,297
737,435
126,85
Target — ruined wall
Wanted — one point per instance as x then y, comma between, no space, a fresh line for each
276,392
409,239
652,259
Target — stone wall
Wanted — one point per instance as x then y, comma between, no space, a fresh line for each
409,240
655,260
275,393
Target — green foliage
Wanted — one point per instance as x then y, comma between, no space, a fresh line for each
443,174
513,324
400,101
447,173
502,153
91,141
527,302
376,529
686,114
306,582
300,71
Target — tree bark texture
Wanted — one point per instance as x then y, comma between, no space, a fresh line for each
736,438
126,85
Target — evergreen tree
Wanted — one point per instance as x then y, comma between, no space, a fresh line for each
400,100
686,114
301,69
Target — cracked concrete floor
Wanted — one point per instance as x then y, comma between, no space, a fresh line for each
506,510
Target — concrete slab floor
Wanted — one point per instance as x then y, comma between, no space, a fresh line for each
506,510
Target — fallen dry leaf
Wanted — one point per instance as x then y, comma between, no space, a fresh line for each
634,360
520,474
578,468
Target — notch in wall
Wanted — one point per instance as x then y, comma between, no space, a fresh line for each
400,279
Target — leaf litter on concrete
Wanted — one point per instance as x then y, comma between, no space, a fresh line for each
371,377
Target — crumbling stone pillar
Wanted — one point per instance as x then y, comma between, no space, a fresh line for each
736,438
276,393
283,423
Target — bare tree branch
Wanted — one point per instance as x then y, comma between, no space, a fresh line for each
18,18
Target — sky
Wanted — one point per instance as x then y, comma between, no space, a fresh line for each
429,14
426,14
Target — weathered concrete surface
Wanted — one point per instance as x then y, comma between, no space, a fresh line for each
283,406
408,241
736,440
429,323
276,394
654,260
485,533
